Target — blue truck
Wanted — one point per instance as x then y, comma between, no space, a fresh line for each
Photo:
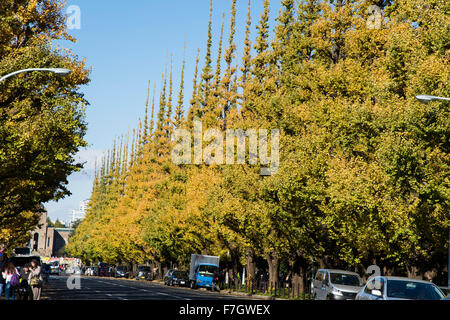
204,272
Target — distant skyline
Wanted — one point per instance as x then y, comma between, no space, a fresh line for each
126,44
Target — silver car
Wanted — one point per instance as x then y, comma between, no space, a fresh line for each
398,288
332,284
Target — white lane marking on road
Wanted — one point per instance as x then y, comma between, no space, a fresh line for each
145,290
109,295
111,283
172,296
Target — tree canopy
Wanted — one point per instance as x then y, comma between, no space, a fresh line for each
364,167
42,116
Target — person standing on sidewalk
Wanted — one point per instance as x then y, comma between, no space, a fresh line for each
35,279
8,273
2,280
25,288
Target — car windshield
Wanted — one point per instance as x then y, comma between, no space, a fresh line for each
180,274
121,268
345,279
207,270
413,290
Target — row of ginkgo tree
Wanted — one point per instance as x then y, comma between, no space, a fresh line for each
363,172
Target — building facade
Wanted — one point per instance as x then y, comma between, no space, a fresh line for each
49,241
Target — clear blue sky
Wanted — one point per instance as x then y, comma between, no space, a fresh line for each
125,43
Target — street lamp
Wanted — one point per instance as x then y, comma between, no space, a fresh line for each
425,99
448,265
58,71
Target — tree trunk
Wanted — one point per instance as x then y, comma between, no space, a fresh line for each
235,262
134,267
159,270
321,263
273,262
165,268
251,267
412,271
299,269
387,271
230,277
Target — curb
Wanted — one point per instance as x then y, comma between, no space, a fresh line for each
256,296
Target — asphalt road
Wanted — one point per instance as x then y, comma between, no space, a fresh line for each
93,288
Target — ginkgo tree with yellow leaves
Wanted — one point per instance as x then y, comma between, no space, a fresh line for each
364,168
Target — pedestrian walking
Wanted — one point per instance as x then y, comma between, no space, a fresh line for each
11,276
25,290
36,279
2,280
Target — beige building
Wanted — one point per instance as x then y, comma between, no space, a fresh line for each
49,241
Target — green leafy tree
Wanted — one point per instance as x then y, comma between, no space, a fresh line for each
42,117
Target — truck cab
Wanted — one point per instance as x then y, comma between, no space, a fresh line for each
204,272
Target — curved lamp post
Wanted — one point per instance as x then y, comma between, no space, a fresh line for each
58,71
425,98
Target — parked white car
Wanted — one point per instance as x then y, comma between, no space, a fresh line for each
399,288
332,284
74,270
